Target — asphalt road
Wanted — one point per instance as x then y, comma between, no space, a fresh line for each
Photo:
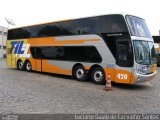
24,92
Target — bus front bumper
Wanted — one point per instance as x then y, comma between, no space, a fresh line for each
143,78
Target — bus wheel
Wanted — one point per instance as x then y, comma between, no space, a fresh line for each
98,76
79,73
20,65
28,66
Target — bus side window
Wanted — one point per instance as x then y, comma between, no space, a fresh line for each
124,54
36,52
33,52
93,55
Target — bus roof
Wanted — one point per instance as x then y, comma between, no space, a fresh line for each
65,20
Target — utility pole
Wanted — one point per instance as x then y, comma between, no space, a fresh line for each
2,43
1,32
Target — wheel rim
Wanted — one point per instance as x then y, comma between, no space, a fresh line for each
98,75
20,65
28,66
80,73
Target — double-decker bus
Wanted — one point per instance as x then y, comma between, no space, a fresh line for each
117,45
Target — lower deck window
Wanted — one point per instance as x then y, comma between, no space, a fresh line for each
67,53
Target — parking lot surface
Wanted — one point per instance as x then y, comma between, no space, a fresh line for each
33,92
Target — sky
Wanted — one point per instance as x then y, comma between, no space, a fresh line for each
29,12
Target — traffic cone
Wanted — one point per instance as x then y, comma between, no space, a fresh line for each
108,86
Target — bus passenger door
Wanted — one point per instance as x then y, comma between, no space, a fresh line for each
10,58
124,61
38,65
13,60
38,61
36,54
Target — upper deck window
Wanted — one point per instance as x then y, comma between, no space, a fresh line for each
114,24
92,25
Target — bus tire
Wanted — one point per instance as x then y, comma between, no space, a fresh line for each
98,76
28,66
79,73
20,65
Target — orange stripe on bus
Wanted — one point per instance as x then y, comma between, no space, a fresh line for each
46,67
54,69
52,41
87,67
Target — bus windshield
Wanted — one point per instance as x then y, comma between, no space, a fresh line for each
138,27
144,52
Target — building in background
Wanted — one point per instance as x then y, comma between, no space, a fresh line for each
3,38
157,47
